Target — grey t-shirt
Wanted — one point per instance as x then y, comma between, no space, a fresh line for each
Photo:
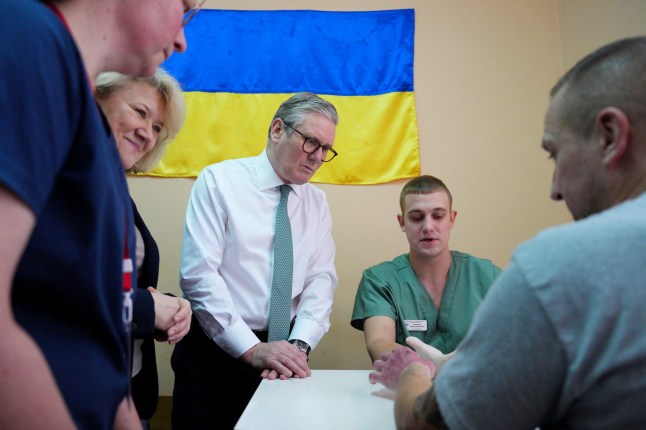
560,341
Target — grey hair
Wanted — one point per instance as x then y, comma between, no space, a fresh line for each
613,75
108,82
298,107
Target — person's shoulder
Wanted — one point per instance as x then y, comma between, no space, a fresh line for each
620,230
32,22
464,258
459,255
395,265
549,246
27,11
228,166
37,47
625,220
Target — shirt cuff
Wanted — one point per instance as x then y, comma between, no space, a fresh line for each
308,331
237,339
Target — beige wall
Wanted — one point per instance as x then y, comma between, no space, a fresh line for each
588,24
483,70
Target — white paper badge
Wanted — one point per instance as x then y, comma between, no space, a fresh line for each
415,325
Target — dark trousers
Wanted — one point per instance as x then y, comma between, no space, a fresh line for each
212,388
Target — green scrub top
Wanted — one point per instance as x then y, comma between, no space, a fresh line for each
393,289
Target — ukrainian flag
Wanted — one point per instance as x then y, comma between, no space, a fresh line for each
241,65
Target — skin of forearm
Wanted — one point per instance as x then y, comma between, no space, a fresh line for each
416,406
377,347
29,396
22,368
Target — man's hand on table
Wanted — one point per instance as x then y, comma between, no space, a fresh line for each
279,359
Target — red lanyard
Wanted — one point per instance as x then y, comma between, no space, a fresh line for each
127,269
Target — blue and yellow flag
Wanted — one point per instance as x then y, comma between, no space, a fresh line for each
241,65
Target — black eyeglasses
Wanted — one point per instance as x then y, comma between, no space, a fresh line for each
311,145
191,12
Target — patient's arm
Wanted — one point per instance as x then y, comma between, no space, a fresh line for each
379,332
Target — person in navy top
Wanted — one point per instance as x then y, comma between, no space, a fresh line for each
66,223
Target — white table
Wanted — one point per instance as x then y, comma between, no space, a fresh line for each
328,400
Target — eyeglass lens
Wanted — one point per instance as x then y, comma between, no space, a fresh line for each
312,145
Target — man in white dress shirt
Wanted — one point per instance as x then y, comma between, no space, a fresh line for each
227,261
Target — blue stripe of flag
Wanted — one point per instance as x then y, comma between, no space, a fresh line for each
335,53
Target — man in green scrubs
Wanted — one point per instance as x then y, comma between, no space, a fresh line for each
430,293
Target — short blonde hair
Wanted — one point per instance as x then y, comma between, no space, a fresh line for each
108,82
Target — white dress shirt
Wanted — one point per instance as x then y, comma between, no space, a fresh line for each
227,261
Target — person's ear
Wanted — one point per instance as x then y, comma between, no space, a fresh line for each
276,130
612,130
454,215
400,219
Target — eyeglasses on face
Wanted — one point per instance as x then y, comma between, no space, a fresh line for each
190,13
311,145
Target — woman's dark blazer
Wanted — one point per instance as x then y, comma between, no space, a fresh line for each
145,387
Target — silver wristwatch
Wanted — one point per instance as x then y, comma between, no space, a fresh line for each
302,345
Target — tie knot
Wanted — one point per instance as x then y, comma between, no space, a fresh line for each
284,191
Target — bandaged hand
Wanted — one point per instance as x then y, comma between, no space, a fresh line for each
391,365
428,352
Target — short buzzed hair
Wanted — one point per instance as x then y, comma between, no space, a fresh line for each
613,75
425,184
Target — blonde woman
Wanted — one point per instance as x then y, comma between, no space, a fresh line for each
145,114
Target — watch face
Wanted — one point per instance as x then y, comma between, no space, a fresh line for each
303,346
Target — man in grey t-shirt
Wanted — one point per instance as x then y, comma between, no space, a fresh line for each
559,342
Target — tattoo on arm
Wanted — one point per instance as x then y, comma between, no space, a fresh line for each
426,408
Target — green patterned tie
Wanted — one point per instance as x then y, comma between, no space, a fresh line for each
280,305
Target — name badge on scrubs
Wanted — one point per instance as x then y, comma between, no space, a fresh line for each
415,325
